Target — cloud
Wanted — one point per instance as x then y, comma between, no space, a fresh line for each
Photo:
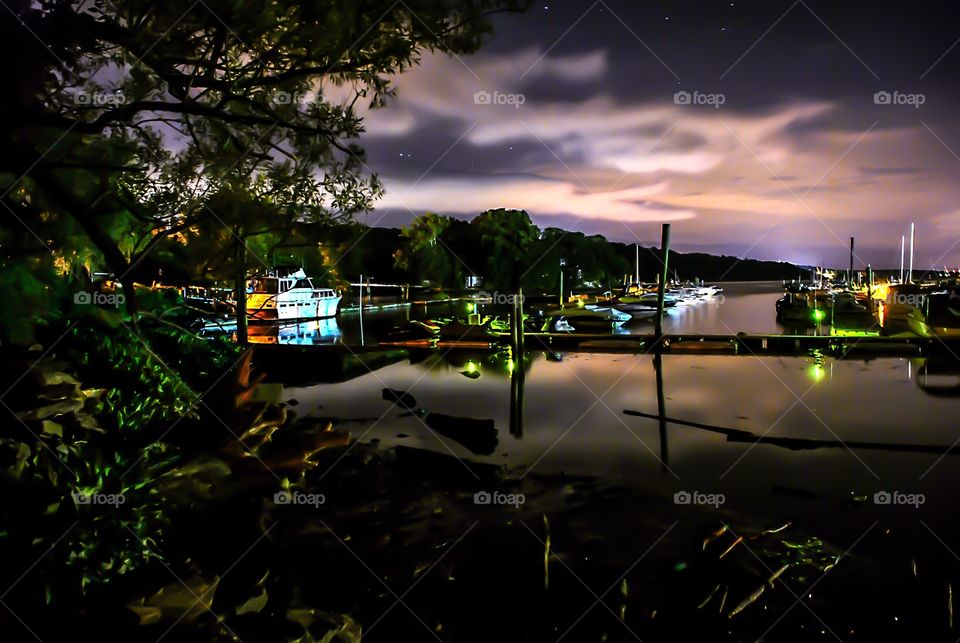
816,170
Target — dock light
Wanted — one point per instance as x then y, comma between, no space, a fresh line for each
471,367
818,315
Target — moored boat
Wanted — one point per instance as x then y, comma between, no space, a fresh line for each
289,297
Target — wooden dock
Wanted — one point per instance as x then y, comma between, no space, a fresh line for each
700,344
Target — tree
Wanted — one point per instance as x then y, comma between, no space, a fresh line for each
123,118
508,237
425,253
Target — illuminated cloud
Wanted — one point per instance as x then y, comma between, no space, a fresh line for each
788,177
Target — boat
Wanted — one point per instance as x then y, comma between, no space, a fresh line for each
799,307
939,316
586,319
900,301
289,297
637,312
647,298
848,314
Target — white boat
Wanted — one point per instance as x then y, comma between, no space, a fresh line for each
591,317
289,297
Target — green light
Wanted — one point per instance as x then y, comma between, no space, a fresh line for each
470,307
580,303
510,366
817,372
818,315
471,367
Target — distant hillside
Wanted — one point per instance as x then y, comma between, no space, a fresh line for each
699,265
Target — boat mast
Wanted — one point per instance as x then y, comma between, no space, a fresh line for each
903,241
910,270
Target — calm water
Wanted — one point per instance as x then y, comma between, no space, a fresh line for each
565,413
742,307
573,421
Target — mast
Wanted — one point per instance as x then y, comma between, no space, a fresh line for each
903,241
910,270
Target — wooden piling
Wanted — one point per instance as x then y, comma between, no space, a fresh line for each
661,287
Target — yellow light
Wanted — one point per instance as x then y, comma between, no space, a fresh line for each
471,367
580,303
817,372
510,366
470,307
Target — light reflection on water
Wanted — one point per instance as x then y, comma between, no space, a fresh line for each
573,421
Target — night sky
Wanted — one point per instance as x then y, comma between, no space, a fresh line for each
797,158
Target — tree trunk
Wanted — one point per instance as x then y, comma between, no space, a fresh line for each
240,285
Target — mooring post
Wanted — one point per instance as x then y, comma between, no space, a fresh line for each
661,287
851,262
516,324
661,411
361,310
516,395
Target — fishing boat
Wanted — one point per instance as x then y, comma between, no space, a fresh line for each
289,297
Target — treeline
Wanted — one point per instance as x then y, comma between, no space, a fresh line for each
502,247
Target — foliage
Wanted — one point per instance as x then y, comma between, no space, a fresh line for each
507,237
124,120
425,252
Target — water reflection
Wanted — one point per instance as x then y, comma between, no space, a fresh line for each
317,331
806,409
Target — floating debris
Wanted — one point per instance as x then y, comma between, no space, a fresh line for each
747,602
